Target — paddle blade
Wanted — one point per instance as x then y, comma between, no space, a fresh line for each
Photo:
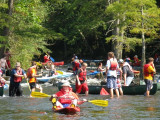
38,94
103,103
60,72
52,59
103,92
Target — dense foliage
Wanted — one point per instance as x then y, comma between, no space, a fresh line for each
89,28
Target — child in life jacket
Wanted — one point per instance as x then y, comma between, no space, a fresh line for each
119,78
65,97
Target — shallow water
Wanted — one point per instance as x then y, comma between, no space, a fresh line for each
125,107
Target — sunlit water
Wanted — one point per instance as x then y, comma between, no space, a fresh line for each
125,107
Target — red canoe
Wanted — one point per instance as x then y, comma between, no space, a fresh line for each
67,110
56,63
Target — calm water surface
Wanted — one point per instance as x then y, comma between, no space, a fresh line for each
126,107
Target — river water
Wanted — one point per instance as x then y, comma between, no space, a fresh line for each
125,107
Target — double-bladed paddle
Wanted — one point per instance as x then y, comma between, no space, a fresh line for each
103,103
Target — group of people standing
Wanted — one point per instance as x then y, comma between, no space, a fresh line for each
126,70
17,74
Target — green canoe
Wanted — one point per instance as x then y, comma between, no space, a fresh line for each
1,91
127,90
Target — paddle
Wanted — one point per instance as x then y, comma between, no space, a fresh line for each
28,84
40,95
60,72
103,103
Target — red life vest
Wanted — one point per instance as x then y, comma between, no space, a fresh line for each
18,79
2,82
76,66
113,65
65,100
82,74
145,69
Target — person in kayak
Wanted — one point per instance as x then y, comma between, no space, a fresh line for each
32,74
65,97
149,71
127,71
101,70
15,80
81,80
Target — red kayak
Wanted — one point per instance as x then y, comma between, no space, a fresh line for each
55,63
58,63
67,110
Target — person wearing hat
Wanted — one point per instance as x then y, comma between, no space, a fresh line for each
15,80
65,97
127,72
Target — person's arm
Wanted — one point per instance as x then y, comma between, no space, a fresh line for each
6,64
24,74
107,66
77,78
124,75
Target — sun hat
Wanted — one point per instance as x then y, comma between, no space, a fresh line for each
18,64
66,84
120,61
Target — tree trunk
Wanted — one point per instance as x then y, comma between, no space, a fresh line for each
143,61
6,31
117,44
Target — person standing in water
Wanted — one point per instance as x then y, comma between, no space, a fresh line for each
32,74
111,72
149,71
15,80
81,80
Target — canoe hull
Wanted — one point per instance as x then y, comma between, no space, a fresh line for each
127,90
1,91
67,110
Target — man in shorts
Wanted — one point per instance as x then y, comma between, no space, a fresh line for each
111,72
32,74
149,70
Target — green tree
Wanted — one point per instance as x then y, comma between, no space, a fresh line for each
140,17
27,35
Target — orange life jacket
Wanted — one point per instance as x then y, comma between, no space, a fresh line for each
82,74
18,79
66,100
29,75
113,65
146,72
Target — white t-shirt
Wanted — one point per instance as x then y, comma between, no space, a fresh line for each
3,62
111,72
